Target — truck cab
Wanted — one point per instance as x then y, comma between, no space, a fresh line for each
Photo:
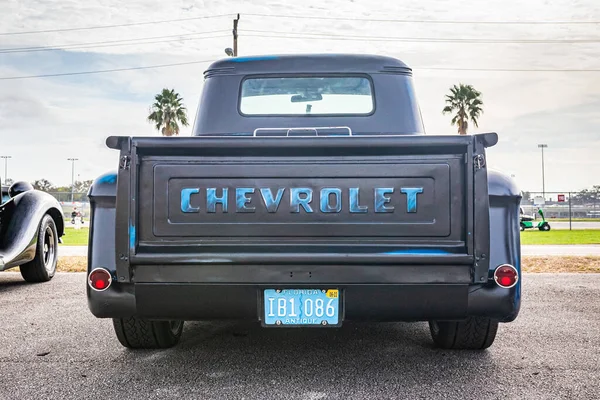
370,95
308,195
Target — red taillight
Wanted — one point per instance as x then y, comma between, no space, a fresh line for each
506,276
99,279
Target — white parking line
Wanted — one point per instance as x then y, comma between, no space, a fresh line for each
561,250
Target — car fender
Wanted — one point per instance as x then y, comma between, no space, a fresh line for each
20,218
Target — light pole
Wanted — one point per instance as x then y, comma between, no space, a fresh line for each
72,175
543,146
5,167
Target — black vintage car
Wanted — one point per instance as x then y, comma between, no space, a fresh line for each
309,195
31,225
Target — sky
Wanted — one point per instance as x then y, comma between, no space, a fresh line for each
45,121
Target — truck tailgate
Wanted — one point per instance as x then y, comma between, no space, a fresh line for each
255,200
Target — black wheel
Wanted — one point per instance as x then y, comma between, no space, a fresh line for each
545,227
43,267
139,333
522,225
474,333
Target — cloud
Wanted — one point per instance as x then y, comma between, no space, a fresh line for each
45,121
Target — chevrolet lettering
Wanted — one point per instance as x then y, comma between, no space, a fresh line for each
308,195
330,200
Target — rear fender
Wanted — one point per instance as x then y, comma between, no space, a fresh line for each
505,235
20,218
118,300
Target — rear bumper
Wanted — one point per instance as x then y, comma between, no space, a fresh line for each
378,293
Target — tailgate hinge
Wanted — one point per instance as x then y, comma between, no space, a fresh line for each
479,162
124,162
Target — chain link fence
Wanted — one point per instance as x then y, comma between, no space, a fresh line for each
568,210
77,202
67,197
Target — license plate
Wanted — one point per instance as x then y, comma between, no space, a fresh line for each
301,307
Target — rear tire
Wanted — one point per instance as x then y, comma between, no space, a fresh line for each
522,226
474,333
43,267
139,333
545,227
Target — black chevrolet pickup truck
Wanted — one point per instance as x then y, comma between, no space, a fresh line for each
308,195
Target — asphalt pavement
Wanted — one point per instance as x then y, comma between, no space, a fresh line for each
53,348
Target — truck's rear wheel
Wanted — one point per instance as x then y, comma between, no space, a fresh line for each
474,333
43,267
138,333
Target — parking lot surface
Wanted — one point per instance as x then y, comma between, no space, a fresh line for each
52,347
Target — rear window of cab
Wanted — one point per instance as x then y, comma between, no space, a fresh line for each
304,96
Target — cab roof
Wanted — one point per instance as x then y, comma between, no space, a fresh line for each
307,63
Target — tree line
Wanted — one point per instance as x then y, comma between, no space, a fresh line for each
46,186
583,196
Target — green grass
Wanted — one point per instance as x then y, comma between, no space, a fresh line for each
75,237
584,236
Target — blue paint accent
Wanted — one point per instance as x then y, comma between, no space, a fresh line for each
272,204
241,200
381,200
109,178
186,198
131,236
411,198
296,201
355,206
212,200
256,58
418,252
326,206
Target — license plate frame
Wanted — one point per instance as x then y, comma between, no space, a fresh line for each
264,320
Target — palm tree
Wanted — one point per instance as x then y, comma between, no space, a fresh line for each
466,102
167,112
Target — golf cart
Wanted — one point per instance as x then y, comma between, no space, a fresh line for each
528,221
